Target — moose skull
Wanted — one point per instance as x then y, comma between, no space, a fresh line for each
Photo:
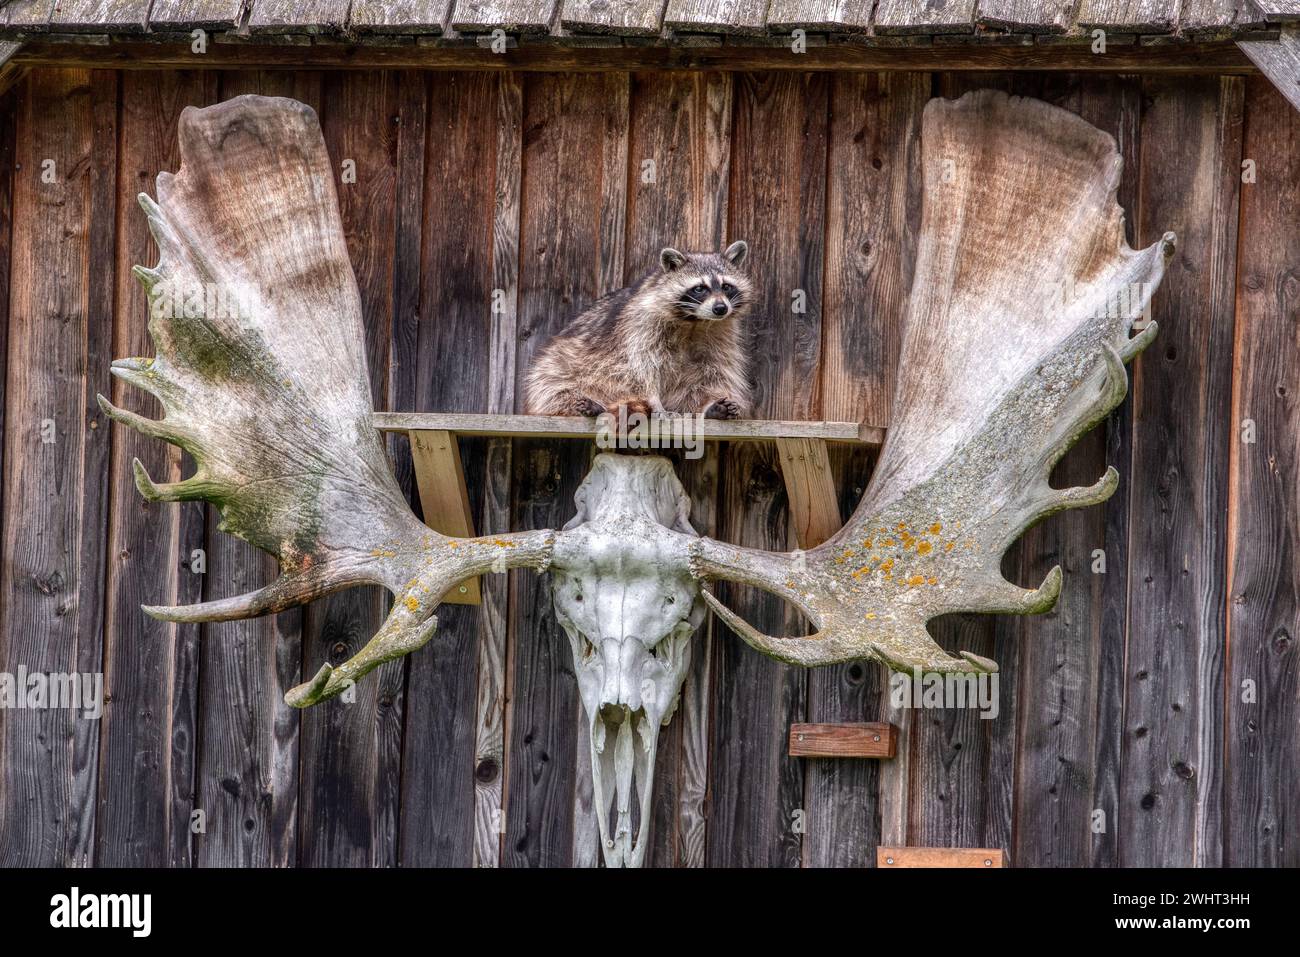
626,598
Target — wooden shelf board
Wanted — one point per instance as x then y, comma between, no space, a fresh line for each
566,427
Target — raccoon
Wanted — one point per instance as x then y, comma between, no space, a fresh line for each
670,342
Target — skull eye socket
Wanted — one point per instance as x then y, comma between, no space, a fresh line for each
577,596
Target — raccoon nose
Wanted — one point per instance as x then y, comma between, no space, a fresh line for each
720,308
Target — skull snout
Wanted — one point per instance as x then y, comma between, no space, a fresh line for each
625,662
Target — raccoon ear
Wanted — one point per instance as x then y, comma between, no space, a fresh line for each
671,259
736,252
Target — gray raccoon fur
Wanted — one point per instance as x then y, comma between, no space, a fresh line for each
670,342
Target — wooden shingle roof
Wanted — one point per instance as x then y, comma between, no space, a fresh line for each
585,22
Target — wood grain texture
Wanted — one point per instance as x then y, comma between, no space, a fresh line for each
907,857
247,780
1171,791
779,154
1279,61
1128,16
1068,695
60,339
1027,16
1278,10
716,16
33,15
444,497
420,17
834,16
681,124
843,740
100,16
450,368
490,761
925,16
872,214
298,16
187,15
572,427
571,131
8,160
621,17
513,16
1263,778
351,750
148,737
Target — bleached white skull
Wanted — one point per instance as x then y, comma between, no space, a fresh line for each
627,601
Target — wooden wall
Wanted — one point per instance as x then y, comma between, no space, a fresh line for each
1164,693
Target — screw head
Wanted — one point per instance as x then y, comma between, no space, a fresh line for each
988,862
464,590
889,860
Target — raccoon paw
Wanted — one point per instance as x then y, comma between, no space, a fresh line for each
633,406
589,407
722,409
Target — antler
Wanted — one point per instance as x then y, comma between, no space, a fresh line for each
261,373
1015,341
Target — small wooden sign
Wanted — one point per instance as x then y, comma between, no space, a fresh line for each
861,740
979,857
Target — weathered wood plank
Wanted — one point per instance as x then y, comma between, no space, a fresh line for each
836,16
56,456
423,17
186,15
450,365
247,779
1027,16
779,151
1064,706
1171,790
351,749
976,857
621,17
1278,10
925,16
1263,776
681,200
490,756
571,125
570,427
27,15
872,213
100,16
1279,60
716,16
844,740
513,16
8,159
298,16
1170,58
1215,18
149,734
1128,16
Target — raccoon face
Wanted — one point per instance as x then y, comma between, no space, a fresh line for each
707,286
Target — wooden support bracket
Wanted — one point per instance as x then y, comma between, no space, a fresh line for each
810,487
977,857
444,498
859,740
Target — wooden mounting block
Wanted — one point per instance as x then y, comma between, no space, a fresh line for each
980,857
848,740
440,476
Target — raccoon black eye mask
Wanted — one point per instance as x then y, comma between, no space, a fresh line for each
670,342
